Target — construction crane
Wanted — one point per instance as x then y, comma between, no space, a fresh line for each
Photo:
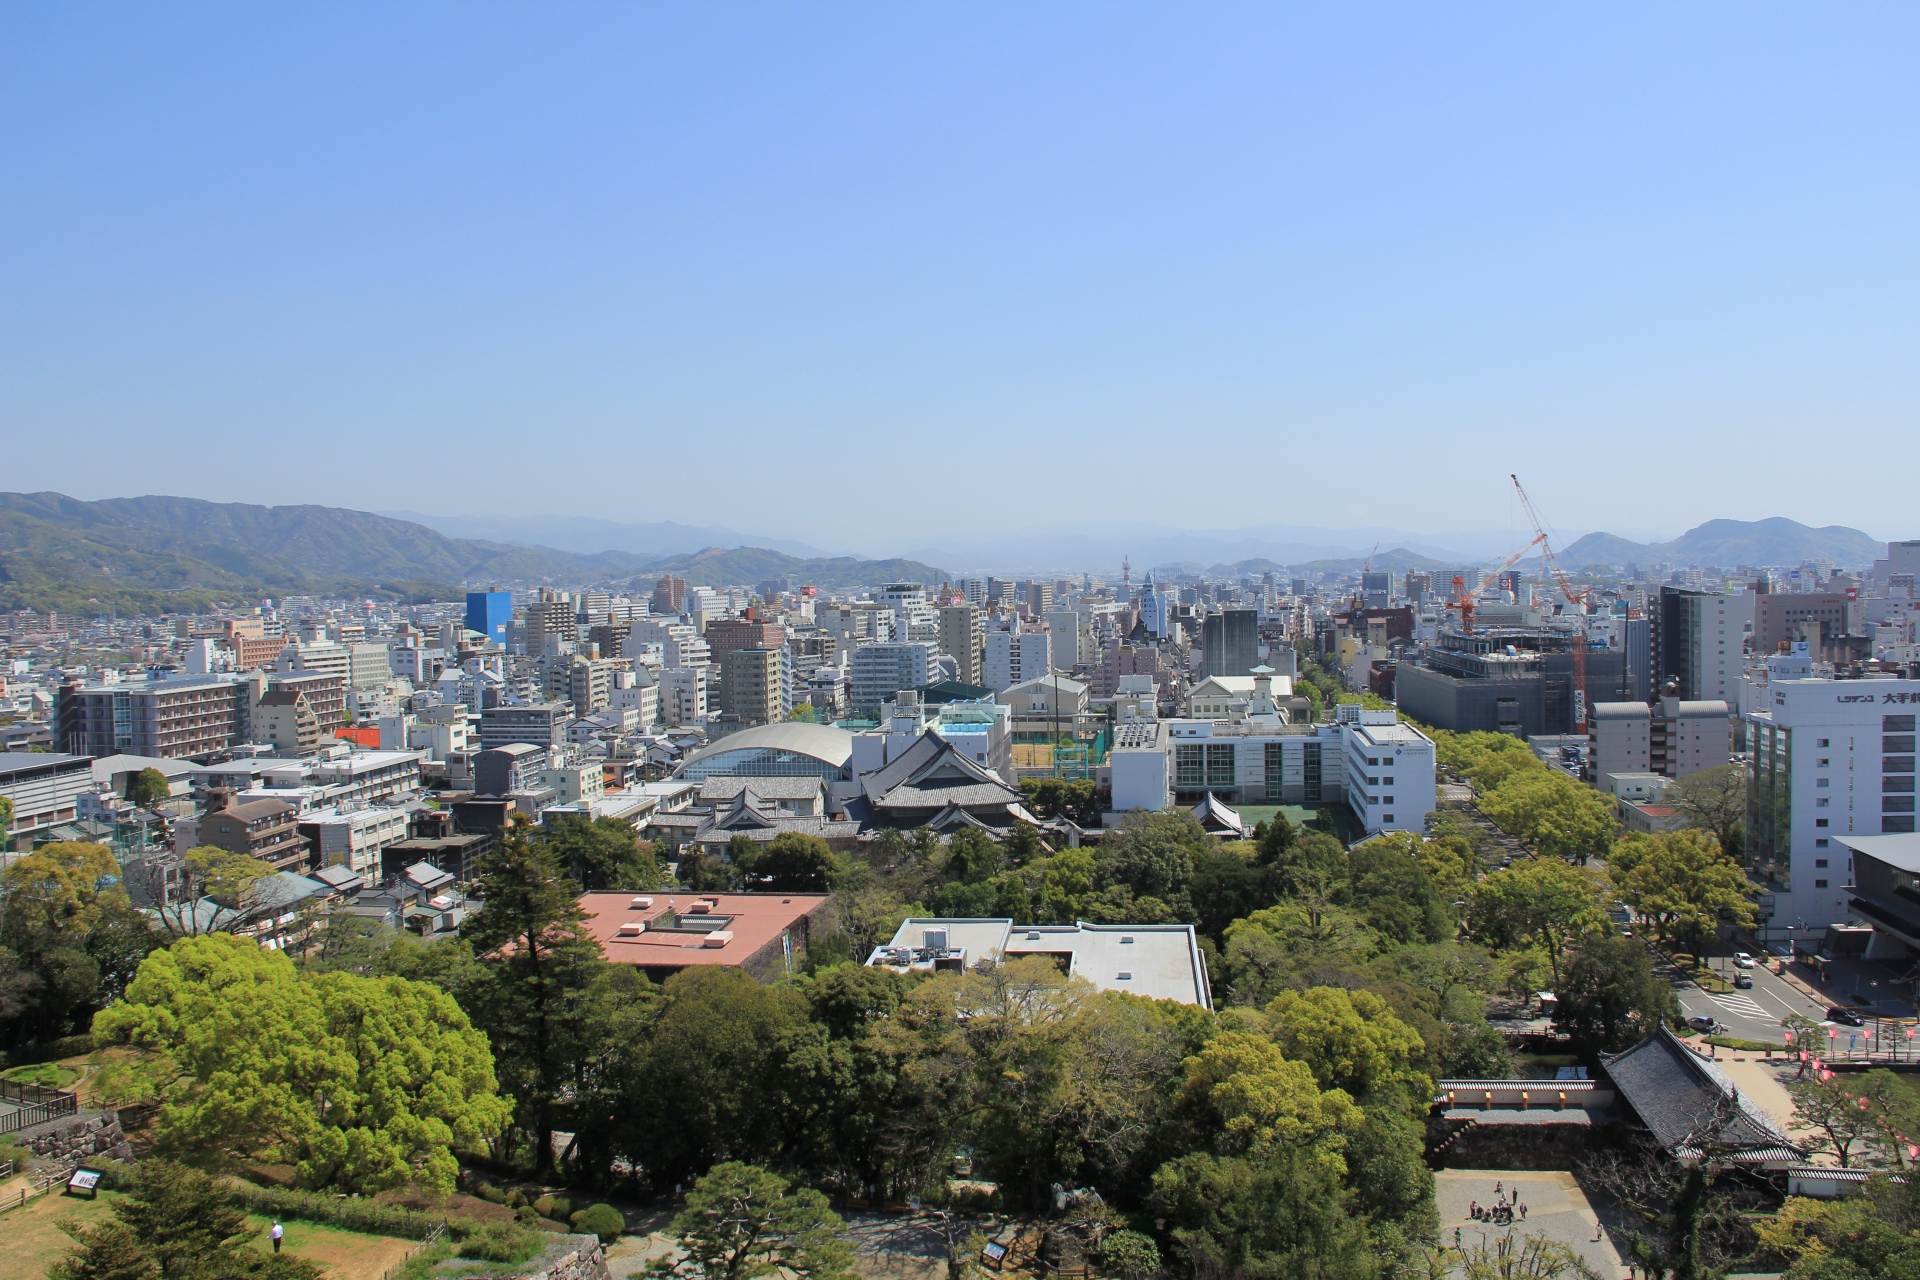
1579,597
1488,579
1368,566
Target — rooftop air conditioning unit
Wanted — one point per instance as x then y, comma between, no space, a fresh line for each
718,938
633,929
934,939
640,904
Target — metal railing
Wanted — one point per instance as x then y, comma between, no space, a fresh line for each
33,1105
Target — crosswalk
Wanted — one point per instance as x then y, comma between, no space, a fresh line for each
1734,1002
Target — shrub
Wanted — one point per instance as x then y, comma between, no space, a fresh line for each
559,1208
602,1220
1129,1255
500,1242
353,1213
527,1213
490,1193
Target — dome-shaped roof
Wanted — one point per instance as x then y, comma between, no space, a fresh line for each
773,749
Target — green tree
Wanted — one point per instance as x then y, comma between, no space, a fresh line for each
175,1222
215,890
1557,815
1543,903
1152,856
1129,1255
1684,883
742,1222
603,854
796,863
149,787
1281,1217
1395,895
1610,997
1257,1099
1351,1040
70,937
532,936
361,1083
1229,884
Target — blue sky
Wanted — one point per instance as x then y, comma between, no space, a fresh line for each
821,269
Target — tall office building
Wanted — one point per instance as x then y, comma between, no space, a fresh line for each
490,613
1830,758
1701,641
669,595
1230,642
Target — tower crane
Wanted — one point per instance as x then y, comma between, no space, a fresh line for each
1487,579
1579,597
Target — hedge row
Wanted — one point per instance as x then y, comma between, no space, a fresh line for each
51,1051
352,1213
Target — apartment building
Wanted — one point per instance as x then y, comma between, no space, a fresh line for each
878,671
1015,656
354,840
753,688
177,718
963,637
1675,738
541,724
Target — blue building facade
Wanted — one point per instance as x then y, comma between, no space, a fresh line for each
490,613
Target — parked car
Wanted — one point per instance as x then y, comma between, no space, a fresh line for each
1845,1017
1702,1022
1741,960
1743,981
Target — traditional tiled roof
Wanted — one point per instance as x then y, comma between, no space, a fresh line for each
932,774
1676,1094
1213,814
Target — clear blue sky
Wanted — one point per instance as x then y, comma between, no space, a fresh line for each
941,265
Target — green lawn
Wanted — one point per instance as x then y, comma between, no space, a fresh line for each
34,1241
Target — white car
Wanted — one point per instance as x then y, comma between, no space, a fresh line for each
1741,960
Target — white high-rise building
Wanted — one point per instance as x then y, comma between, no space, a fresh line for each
1012,657
876,672
1830,757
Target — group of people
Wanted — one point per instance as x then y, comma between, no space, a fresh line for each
1501,1212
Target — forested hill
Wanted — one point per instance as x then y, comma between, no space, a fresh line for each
159,554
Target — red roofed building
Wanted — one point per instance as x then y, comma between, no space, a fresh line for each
763,934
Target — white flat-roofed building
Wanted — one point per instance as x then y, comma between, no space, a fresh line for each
356,840
1390,773
1830,758
1158,961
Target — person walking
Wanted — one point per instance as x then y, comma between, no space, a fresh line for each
276,1233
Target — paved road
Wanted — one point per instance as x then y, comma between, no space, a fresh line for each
1754,1014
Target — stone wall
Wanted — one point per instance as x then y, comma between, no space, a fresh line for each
581,1258
1508,1146
76,1138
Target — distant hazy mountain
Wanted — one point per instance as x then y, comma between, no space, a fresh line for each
1727,543
1398,560
163,554
1101,548
714,567
585,535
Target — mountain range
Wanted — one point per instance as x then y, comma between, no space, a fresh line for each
166,554
1728,543
585,535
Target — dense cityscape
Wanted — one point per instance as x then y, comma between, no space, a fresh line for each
1357,867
